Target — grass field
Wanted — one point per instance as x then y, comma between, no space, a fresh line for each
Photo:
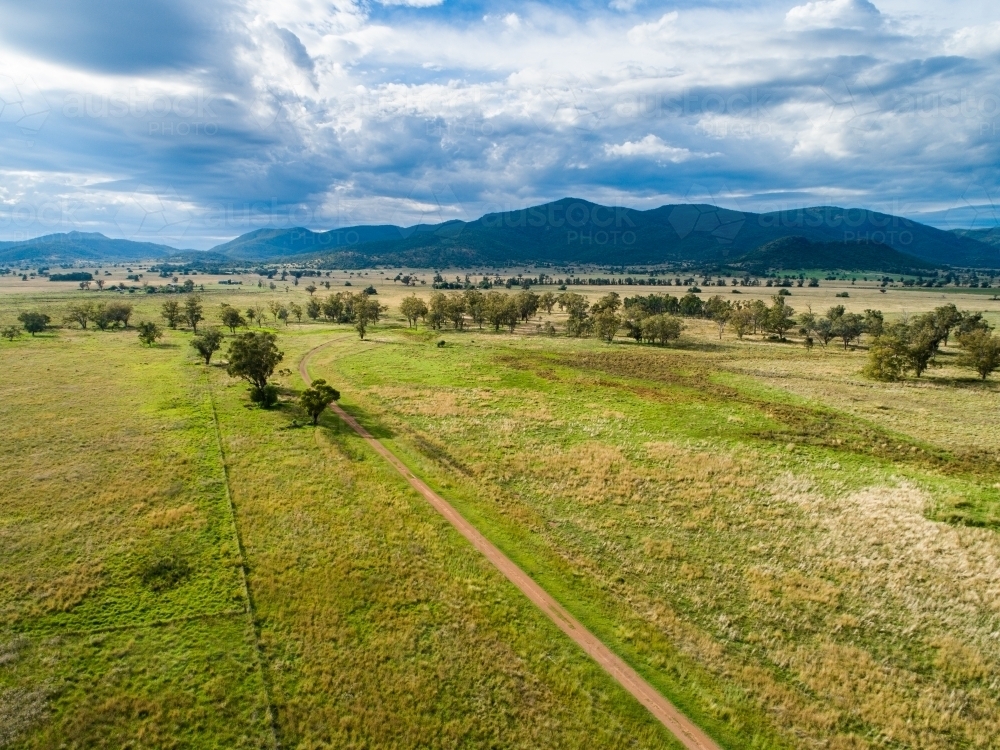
794,555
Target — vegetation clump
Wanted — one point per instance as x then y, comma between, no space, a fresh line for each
253,357
317,397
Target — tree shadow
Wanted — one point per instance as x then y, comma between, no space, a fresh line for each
367,420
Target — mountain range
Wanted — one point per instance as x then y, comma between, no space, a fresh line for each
573,231
75,247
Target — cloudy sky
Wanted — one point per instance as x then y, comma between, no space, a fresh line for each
189,122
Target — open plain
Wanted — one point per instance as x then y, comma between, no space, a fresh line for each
791,553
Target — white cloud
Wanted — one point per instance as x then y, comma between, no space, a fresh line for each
651,146
975,40
662,29
625,6
413,3
317,98
842,14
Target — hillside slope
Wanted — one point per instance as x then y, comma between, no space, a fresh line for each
798,252
70,247
574,231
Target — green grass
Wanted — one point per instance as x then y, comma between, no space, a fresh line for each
794,555
123,617
121,601
744,547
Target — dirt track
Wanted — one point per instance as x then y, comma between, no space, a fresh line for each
683,728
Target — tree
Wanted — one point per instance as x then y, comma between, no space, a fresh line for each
253,357
527,304
80,313
780,317
454,310
275,308
923,337
661,328
606,324
980,351
101,318
295,310
207,344
691,305
874,322
313,308
194,313
33,322
741,319
412,308
311,289
120,312
10,332
547,301
943,319
335,308
576,307
366,311
888,355
475,304
258,313
499,310
171,312
231,318
149,332
719,310
848,327
970,322
317,397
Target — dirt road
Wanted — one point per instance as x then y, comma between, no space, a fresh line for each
683,728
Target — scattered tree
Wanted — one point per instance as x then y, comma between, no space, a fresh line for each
80,313
33,322
366,311
149,333
253,357
742,320
606,324
780,317
980,351
171,312
313,308
413,308
10,332
317,397
888,355
231,318
207,344
193,311
661,329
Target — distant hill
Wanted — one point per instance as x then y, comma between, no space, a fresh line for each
798,252
989,236
573,231
569,231
72,247
263,244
